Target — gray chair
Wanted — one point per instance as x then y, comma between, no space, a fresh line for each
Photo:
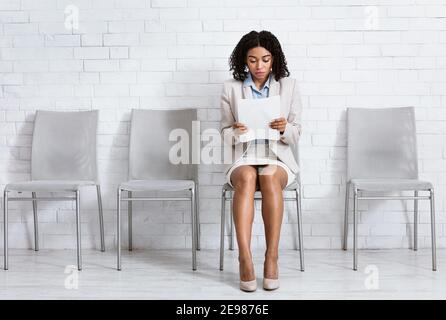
382,156
63,159
150,168
294,187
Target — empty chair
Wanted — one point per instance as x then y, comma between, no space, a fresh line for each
156,165
63,159
382,156
293,187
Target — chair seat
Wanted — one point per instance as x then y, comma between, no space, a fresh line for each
48,185
157,185
390,184
293,186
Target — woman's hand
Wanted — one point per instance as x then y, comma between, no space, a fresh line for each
239,128
279,124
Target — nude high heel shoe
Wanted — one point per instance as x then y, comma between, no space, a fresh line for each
248,286
270,284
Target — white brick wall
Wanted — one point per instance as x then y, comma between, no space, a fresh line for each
173,53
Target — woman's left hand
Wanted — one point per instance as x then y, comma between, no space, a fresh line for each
278,124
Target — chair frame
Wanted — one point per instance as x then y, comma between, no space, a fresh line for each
358,195
194,199
35,199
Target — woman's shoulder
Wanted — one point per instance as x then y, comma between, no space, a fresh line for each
232,82
231,85
287,81
289,86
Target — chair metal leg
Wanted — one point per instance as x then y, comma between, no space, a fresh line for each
347,197
355,229
5,230
78,231
231,219
415,223
222,228
118,223
197,215
101,217
299,225
36,224
130,222
433,236
194,238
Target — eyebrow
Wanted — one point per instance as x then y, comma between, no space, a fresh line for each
268,55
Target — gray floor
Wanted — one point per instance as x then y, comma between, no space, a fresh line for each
167,274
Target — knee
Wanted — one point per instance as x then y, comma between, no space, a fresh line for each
269,183
246,179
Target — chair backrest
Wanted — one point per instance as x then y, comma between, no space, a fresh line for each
150,146
381,143
64,146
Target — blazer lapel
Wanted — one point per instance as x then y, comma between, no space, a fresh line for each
274,90
274,87
247,94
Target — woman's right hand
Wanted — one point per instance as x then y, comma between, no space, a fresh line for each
239,128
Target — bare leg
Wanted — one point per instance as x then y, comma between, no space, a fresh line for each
244,179
273,180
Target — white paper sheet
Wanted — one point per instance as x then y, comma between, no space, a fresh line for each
256,114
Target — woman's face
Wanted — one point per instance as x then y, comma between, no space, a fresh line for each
259,61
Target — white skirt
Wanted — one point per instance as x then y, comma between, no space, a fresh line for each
258,154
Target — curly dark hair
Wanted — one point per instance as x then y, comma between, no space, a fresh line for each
265,39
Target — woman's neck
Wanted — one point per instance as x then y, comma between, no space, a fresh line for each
259,83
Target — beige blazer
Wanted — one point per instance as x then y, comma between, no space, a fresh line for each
291,109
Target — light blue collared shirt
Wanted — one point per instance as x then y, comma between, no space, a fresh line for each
258,94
